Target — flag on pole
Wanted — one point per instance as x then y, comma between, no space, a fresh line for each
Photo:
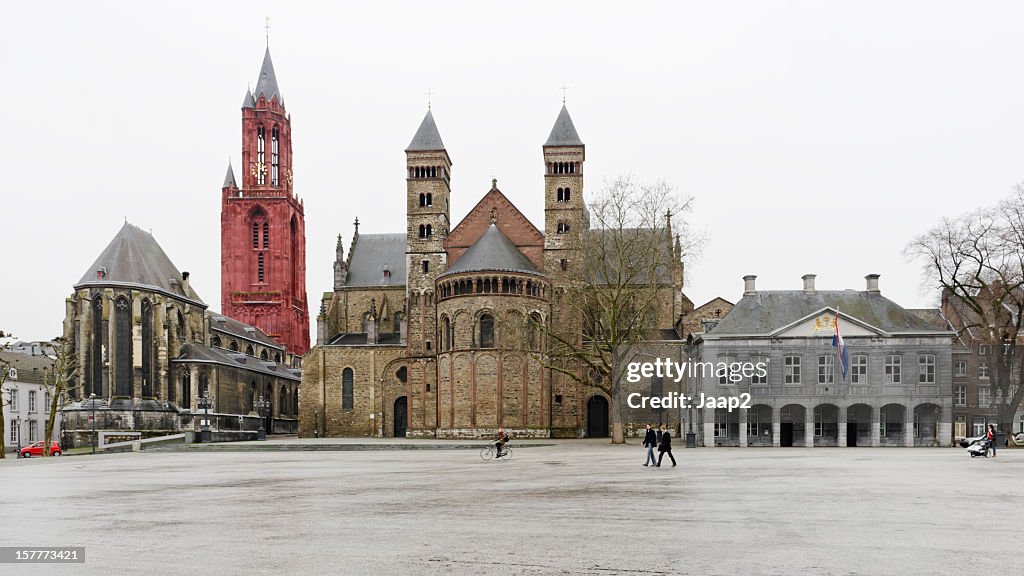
844,355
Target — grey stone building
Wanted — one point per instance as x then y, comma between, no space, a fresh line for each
897,391
148,349
26,399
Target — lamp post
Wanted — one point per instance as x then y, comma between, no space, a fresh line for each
205,402
261,407
92,401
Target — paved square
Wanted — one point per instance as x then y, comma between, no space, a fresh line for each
581,507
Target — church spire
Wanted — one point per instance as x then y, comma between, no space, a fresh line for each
427,137
563,133
267,83
249,101
229,178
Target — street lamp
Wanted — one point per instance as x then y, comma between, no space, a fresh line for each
261,408
205,402
92,400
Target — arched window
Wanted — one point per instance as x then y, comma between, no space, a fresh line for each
277,357
398,323
565,195
533,331
204,384
275,157
234,346
559,196
446,331
563,227
264,355
252,396
147,349
487,331
123,347
347,399
98,338
423,199
266,235
429,231
402,374
249,351
261,155
430,199
423,231
215,341
282,402
186,390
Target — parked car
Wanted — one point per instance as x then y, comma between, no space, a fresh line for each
36,449
965,442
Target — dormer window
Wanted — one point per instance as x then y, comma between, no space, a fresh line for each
387,273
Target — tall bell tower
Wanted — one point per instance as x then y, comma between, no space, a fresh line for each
263,230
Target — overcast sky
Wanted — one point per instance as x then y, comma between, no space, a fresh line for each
816,137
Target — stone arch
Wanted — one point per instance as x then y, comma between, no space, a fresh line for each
926,424
792,425
892,421
123,347
759,425
597,416
858,425
826,425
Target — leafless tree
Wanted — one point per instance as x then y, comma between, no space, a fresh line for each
58,384
978,260
630,262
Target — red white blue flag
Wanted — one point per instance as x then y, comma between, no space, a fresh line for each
844,354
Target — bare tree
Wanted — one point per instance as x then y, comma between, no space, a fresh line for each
58,384
5,394
978,261
630,266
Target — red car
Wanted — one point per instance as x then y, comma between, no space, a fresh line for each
37,449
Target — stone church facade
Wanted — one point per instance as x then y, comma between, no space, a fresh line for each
437,331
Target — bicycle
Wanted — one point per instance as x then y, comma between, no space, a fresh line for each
487,452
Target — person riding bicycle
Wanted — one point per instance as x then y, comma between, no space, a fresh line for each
501,438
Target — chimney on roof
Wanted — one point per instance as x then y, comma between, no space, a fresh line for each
808,283
748,284
872,283
184,282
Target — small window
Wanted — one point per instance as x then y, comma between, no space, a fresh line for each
558,398
423,231
426,266
791,365
487,331
402,374
893,368
926,375
347,392
565,195
430,199
826,370
563,227
960,395
564,264
961,368
984,397
983,349
983,370
428,345
429,231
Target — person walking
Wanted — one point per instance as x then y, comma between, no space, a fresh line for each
991,436
650,441
665,447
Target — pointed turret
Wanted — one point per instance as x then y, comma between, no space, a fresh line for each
563,133
229,178
267,83
249,101
427,137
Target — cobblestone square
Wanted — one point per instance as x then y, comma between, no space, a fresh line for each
573,507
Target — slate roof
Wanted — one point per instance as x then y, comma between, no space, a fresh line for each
427,137
360,338
192,352
932,316
369,256
30,368
493,251
563,133
248,101
267,83
229,178
134,257
621,241
767,311
242,330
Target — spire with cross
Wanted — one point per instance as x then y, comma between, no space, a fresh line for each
266,28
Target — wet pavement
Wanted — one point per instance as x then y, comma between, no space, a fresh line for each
574,507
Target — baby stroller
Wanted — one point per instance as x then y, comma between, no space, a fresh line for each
979,447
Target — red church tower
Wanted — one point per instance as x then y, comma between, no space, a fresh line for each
263,231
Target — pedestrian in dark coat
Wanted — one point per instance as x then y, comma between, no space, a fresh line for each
650,441
665,447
